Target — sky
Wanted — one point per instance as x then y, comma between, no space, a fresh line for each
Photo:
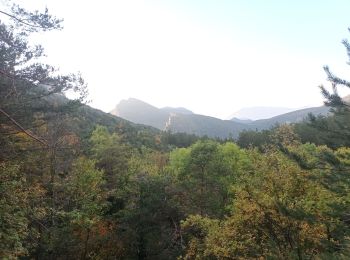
210,56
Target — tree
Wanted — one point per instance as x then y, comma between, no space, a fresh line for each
332,98
86,203
250,138
111,156
30,91
279,211
33,116
336,126
204,173
14,225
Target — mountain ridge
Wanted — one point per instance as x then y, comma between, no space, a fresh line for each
184,120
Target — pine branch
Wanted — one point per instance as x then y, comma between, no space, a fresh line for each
21,21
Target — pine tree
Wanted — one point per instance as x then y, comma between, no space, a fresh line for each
334,130
31,92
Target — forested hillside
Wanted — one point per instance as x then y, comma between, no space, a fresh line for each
77,183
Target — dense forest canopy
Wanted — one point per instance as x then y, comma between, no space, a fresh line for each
76,183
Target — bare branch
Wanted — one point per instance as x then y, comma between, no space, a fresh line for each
31,135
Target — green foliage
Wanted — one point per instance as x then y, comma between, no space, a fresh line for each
93,186
332,131
111,156
139,136
27,86
84,192
278,212
204,173
86,203
332,98
14,225
179,139
251,138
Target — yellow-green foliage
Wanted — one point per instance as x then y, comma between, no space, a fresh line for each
13,211
279,212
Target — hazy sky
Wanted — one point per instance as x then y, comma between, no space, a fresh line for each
213,57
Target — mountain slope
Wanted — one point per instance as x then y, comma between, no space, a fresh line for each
182,120
257,113
291,117
205,126
140,112
177,120
177,110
